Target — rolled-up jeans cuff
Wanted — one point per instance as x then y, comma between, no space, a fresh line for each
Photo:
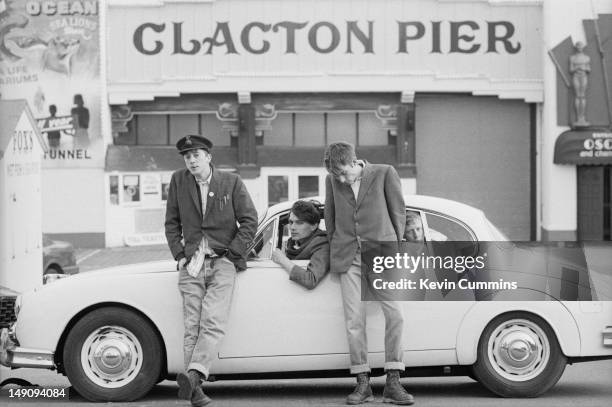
394,366
200,368
356,369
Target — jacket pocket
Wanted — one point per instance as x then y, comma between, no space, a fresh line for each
223,202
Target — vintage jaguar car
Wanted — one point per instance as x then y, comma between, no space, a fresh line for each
117,332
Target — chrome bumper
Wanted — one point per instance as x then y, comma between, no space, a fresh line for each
14,356
607,336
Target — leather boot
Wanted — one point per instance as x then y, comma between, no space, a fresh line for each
187,382
199,398
394,392
363,391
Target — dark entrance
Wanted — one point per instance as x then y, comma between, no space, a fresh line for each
594,205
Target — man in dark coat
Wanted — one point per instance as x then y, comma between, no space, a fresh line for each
364,202
210,222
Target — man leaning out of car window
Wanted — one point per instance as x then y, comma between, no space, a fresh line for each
307,242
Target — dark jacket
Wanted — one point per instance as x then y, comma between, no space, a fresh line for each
378,213
227,202
316,249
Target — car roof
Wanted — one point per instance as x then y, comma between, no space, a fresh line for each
456,209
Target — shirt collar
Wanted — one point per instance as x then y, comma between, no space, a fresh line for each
362,164
206,181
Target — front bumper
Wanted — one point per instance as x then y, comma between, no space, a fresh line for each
15,356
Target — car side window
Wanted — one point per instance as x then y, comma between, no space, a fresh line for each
441,229
275,235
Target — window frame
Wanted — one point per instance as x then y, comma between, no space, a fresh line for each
132,125
447,217
274,222
325,114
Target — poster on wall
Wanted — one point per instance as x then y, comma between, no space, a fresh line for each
151,192
131,188
165,185
113,189
50,56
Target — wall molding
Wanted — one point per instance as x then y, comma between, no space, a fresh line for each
151,3
530,90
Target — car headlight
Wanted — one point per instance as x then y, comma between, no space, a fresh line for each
17,307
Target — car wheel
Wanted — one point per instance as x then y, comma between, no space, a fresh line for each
519,356
112,354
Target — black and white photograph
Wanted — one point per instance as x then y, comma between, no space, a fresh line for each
306,202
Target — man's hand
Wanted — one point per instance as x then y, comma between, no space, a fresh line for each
181,263
278,256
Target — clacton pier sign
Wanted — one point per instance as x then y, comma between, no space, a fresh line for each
325,37
337,46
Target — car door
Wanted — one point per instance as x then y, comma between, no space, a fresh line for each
433,324
273,316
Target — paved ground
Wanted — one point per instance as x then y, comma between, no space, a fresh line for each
91,259
583,384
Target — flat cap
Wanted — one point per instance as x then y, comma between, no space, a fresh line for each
193,142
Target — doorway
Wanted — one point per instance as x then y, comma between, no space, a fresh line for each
594,206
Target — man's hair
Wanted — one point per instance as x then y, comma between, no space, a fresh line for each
306,211
413,217
340,153
413,214
196,149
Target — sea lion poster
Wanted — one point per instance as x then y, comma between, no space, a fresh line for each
50,55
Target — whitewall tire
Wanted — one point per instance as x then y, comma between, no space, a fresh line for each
112,354
519,356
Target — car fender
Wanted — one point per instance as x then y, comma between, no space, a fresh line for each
43,330
476,319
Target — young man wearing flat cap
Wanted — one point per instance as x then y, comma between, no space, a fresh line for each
203,208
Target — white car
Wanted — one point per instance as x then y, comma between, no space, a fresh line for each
117,332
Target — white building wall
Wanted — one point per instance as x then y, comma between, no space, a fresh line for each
73,200
408,185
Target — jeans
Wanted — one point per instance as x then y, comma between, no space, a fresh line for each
355,320
207,300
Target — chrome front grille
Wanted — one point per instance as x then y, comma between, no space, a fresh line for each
7,311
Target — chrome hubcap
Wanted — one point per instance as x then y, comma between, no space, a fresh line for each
518,350
111,356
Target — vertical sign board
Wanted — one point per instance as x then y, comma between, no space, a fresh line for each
49,54
21,209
